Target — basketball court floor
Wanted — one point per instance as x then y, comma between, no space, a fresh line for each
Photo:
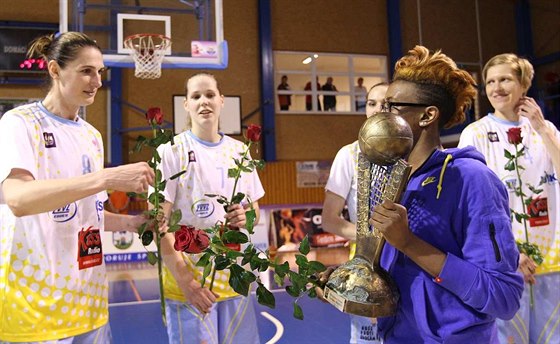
134,309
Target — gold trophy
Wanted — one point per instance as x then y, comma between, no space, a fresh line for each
360,286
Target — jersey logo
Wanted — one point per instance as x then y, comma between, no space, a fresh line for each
202,208
49,140
192,158
64,214
90,252
428,180
493,136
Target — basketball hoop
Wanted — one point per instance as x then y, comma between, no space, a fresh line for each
148,50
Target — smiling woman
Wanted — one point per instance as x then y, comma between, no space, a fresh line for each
51,203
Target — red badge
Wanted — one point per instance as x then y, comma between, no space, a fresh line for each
89,248
538,212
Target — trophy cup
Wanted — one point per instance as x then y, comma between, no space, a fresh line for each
360,286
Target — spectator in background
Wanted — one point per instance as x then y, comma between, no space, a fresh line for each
329,100
308,97
285,100
360,95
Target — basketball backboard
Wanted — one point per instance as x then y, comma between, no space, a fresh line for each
195,29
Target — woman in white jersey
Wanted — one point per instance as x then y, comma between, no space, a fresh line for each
507,78
341,190
196,314
53,285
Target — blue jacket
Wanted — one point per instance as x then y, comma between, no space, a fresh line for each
458,205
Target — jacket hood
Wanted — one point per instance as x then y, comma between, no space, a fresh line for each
439,157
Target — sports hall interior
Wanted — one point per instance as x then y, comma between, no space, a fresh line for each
258,34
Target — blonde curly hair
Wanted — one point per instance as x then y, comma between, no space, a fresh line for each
442,83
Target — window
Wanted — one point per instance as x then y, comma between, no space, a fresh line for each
295,92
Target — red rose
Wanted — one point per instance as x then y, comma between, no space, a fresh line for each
154,114
254,132
191,240
514,135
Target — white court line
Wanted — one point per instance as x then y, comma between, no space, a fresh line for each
132,303
279,328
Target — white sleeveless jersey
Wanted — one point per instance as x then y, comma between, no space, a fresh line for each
43,293
489,136
207,167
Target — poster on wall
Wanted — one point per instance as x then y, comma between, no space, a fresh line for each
290,226
312,174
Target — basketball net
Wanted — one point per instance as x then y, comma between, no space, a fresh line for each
147,52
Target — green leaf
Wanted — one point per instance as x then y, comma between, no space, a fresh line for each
298,312
292,291
304,246
147,237
249,252
158,176
231,254
205,273
282,269
152,258
234,237
265,297
510,166
232,173
238,281
221,262
175,217
173,229
142,228
312,293
301,261
507,154
237,198
279,280
204,259
250,217
315,266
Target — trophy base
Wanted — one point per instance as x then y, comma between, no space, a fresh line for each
358,288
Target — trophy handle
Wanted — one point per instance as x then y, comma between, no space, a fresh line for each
369,242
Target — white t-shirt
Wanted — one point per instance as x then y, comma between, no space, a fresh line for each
343,181
207,167
360,94
43,293
489,136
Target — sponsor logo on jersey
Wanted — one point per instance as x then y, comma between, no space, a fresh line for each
65,213
493,136
90,252
203,208
49,140
86,164
192,158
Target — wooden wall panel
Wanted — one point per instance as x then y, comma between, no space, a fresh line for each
279,182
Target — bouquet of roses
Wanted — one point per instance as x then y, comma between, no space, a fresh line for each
222,251
526,247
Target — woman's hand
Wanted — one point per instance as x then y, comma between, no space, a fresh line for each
527,267
391,220
528,107
236,216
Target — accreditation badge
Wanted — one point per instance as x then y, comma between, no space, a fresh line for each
89,248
